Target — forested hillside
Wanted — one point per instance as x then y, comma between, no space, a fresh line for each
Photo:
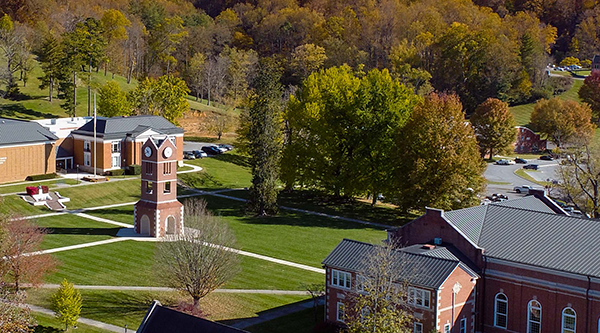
448,45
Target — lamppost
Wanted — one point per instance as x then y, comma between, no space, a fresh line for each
77,173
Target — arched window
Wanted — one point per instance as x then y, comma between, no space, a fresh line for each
569,320
500,310
534,317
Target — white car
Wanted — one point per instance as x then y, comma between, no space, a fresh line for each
522,189
505,162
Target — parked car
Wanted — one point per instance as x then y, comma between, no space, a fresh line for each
222,149
522,189
200,154
188,155
520,160
497,197
505,162
211,150
222,145
531,166
546,158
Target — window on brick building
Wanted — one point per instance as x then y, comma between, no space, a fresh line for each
167,188
463,325
418,328
500,310
569,320
447,328
340,279
148,187
166,168
148,168
534,317
419,297
340,312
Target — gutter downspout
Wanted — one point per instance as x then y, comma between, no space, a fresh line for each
587,302
481,305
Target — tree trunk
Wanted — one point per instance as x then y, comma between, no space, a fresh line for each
374,201
74,90
196,302
197,93
491,153
50,87
105,69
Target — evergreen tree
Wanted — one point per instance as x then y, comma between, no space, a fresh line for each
49,56
262,137
67,303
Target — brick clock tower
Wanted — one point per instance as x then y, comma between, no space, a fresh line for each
158,213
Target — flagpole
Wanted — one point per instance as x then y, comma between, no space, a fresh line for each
95,143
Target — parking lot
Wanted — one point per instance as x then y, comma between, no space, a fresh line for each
503,178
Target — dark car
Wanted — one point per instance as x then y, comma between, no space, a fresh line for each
546,158
188,155
531,166
199,154
520,160
211,150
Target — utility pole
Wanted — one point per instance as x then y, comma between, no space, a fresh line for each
95,143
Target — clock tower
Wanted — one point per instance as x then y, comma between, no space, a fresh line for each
158,213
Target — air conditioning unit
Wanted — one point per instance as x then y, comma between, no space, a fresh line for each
437,241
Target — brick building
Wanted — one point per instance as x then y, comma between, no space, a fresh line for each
441,288
529,142
158,212
539,267
119,141
62,128
596,64
26,149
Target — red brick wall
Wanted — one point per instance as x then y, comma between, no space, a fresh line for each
464,301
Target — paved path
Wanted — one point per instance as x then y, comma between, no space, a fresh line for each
224,291
82,320
100,219
195,168
276,313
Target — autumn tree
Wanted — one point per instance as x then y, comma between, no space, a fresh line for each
164,97
590,93
563,122
194,74
261,135
494,126
115,34
438,158
10,45
163,41
570,61
14,316
19,245
382,281
219,123
241,66
113,101
66,303
306,59
202,258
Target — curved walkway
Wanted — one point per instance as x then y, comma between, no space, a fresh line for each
195,168
224,291
90,322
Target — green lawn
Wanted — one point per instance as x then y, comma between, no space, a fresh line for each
299,322
100,194
122,214
49,324
129,307
52,185
228,170
13,204
66,230
131,263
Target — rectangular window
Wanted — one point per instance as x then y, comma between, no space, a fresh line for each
166,168
419,297
360,282
148,187
116,147
148,168
340,312
116,161
447,328
167,188
87,146
340,279
463,325
87,159
418,328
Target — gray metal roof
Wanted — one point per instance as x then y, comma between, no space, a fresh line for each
22,132
416,268
532,236
118,127
529,202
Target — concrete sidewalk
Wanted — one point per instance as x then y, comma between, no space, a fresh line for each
90,322
276,313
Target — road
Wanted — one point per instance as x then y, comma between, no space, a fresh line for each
505,178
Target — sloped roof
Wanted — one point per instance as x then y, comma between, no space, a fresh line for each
415,268
159,319
523,231
118,127
22,132
596,59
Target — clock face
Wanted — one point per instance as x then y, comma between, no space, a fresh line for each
168,152
148,152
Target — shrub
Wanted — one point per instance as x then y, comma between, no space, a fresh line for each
41,177
560,84
118,172
134,169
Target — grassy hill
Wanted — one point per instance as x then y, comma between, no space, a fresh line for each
35,104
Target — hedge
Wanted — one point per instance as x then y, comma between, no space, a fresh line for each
41,177
117,172
134,169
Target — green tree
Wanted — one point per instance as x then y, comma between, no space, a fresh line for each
306,59
494,126
10,45
563,122
49,56
438,161
241,66
113,101
263,137
194,73
66,303
114,33
569,61
164,39
590,93
164,96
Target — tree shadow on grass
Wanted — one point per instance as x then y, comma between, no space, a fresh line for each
46,329
243,161
84,231
12,110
